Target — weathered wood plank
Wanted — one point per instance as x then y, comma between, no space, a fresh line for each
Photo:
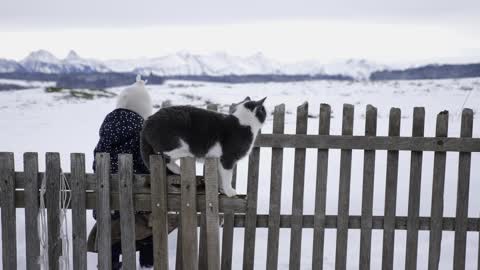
369,143
391,194
79,216
321,192
251,213
275,191
298,191
189,214
178,254
461,215
7,202
32,247
354,222
104,236
438,187
211,214
344,192
159,218
414,191
52,197
203,258
127,218
228,227
367,190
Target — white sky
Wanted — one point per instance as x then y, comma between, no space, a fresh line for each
378,30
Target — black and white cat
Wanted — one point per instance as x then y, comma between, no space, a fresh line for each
186,131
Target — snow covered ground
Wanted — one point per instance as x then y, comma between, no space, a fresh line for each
32,120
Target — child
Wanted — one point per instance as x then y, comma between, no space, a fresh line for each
120,134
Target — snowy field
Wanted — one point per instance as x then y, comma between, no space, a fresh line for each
35,121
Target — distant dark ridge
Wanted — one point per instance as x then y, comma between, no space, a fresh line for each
429,72
96,80
30,76
252,78
102,80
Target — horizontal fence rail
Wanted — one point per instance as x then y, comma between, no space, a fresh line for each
186,202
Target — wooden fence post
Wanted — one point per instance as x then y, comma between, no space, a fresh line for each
228,226
30,166
53,209
79,218
321,191
344,192
158,183
211,214
189,214
7,202
414,191
104,236
391,194
461,216
251,213
438,186
298,191
275,191
367,190
127,217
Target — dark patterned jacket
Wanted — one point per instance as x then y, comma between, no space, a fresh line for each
120,134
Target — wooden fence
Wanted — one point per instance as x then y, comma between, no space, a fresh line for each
150,193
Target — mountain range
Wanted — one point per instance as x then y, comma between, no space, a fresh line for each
75,71
187,64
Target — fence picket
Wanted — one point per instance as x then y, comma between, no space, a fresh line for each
298,191
461,216
367,190
53,209
211,214
159,217
251,213
203,258
32,247
79,215
127,218
275,191
414,191
228,225
344,192
189,214
104,236
228,229
7,203
391,193
321,191
438,187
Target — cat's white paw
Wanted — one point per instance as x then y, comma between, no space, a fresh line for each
172,166
229,192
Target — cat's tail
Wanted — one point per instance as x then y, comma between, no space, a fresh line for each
146,149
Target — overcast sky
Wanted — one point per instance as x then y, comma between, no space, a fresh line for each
380,30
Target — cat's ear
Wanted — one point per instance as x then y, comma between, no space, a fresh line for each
246,99
260,102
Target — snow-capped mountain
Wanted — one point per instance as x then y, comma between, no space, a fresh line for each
74,63
355,68
42,61
185,63
10,66
45,62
